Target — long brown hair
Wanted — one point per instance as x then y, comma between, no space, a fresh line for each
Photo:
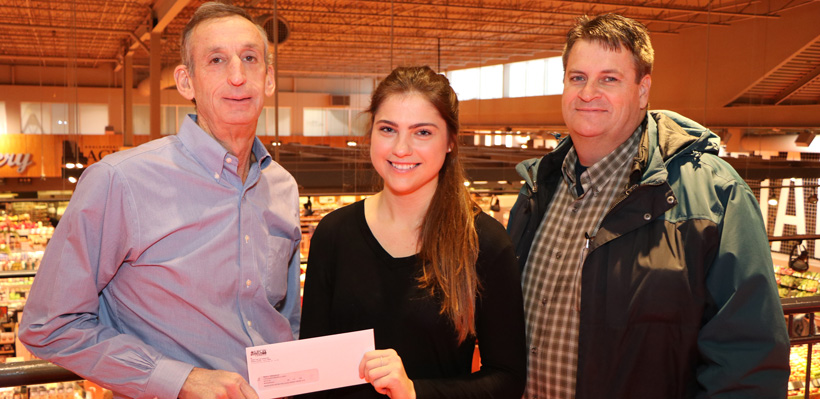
449,242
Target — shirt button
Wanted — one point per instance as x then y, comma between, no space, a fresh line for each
228,160
216,176
558,255
544,300
247,238
248,283
533,350
249,323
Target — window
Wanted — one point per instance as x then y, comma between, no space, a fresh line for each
182,112
490,82
463,83
171,118
554,81
141,119
284,121
518,79
93,118
57,118
338,122
331,122
526,78
314,122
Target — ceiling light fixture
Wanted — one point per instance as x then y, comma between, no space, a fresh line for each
772,200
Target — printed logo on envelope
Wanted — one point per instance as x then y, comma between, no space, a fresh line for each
308,365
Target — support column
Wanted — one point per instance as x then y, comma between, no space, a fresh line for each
155,72
128,100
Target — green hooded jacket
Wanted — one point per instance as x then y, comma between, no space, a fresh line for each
678,296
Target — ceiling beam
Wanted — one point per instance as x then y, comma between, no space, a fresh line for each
796,86
702,11
572,13
743,93
57,59
165,11
121,32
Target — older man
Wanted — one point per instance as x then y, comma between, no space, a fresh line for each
647,271
175,256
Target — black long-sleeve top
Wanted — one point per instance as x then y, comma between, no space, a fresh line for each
352,284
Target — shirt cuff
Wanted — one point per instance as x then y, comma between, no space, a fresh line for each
167,379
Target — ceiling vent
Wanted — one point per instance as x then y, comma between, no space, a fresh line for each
267,22
339,100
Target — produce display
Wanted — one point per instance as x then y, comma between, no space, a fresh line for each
792,284
797,379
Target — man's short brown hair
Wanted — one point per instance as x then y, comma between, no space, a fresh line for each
614,31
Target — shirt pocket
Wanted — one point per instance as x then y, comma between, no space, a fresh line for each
275,273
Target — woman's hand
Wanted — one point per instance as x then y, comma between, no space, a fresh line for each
384,370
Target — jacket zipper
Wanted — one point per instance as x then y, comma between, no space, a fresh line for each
628,191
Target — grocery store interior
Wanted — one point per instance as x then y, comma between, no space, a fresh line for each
80,79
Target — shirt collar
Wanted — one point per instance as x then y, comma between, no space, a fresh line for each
599,173
209,152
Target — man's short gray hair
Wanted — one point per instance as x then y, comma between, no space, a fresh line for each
213,10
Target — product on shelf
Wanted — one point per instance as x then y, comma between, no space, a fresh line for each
797,378
793,284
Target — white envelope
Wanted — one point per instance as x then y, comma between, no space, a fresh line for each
308,365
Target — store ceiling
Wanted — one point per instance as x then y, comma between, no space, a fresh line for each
364,37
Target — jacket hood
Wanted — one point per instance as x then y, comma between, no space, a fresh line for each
678,134
528,170
674,136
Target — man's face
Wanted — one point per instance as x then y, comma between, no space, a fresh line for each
601,99
230,78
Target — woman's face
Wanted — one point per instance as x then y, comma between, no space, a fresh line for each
408,144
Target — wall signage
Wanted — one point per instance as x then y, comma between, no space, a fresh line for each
18,161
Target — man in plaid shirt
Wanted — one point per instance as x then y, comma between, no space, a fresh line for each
646,267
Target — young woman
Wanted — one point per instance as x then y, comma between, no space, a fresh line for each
418,262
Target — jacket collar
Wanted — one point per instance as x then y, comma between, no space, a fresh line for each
666,136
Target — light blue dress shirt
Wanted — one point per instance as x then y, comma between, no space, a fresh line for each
164,260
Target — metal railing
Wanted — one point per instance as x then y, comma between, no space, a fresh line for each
803,330
800,313
33,372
